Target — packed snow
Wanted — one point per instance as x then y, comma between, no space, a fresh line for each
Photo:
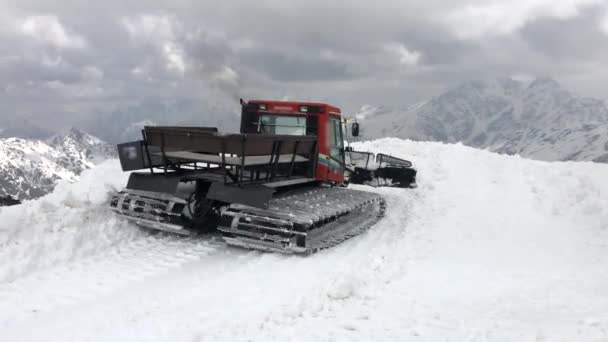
487,248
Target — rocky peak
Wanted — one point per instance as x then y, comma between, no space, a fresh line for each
7,201
540,120
544,83
31,168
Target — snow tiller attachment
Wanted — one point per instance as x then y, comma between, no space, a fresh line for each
277,186
380,170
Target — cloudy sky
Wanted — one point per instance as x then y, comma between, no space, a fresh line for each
62,61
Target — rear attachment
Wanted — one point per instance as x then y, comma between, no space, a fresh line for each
302,222
380,170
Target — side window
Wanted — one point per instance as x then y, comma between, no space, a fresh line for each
313,125
249,121
336,142
338,134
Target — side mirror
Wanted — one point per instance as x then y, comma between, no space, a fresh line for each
355,129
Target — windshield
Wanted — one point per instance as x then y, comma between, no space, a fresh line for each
283,124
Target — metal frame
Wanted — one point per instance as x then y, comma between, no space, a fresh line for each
240,145
370,156
391,161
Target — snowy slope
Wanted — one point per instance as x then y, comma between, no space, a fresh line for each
541,120
32,168
488,248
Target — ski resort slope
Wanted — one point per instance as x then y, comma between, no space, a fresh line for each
488,248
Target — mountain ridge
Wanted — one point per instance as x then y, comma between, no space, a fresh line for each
539,120
31,168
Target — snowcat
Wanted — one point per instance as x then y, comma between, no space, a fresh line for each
280,185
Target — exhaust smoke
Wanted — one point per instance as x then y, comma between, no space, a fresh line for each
223,78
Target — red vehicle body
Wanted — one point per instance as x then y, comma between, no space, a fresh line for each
309,118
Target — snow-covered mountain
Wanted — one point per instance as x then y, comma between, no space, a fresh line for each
32,168
81,146
540,120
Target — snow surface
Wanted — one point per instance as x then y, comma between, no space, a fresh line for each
488,248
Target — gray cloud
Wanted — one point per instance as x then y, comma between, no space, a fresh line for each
73,61
574,40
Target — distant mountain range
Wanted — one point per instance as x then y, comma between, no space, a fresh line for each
32,168
540,120
124,123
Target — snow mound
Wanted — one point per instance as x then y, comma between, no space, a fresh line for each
68,224
489,247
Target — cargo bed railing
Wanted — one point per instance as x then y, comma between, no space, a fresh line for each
238,158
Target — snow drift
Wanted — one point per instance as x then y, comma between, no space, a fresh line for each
489,247
68,224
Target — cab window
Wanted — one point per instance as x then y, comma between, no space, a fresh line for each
336,141
283,124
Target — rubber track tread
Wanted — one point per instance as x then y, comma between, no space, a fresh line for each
323,217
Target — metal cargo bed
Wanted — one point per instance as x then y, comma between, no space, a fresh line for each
239,159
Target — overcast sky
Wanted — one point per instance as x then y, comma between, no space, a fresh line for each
62,60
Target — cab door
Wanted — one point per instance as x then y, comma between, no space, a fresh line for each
336,150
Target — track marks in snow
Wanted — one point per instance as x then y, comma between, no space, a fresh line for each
318,288
70,224
95,276
231,294
515,251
